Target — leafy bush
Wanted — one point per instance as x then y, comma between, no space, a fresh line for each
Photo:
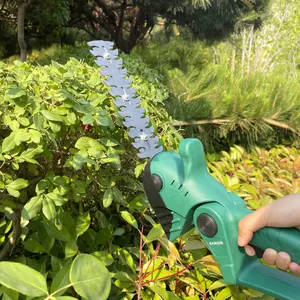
68,172
231,92
75,222
58,53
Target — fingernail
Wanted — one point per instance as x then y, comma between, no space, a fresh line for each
241,241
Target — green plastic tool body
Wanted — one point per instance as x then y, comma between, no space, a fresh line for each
183,195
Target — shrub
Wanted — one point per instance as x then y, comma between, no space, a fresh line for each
73,208
68,172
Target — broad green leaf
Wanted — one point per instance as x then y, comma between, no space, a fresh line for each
155,233
65,298
87,142
129,218
253,293
38,121
71,249
33,207
9,143
119,231
123,276
109,142
18,184
82,223
41,187
105,257
54,127
29,154
61,280
162,293
172,296
123,284
35,136
103,120
15,92
13,192
224,294
107,197
59,234
24,121
139,169
21,135
34,246
193,244
152,265
9,294
22,279
14,125
51,116
87,119
90,278
218,284
71,117
127,259
49,209
57,198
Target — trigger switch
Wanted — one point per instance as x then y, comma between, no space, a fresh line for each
157,182
207,225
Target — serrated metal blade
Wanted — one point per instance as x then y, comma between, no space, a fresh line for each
125,98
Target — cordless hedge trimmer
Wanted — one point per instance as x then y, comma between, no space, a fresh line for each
184,195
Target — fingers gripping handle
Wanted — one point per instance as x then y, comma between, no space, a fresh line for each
279,239
272,281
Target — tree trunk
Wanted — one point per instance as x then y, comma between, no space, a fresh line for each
22,5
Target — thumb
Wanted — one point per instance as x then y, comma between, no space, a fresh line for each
250,224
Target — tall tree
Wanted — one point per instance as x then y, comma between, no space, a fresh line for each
43,16
22,6
128,21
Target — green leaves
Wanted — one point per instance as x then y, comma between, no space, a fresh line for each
15,91
108,197
81,194
14,186
82,223
129,218
22,279
51,116
90,278
86,274
46,202
74,182
155,233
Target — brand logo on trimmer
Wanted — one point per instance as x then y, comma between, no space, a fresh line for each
216,243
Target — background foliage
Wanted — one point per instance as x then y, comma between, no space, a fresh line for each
72,207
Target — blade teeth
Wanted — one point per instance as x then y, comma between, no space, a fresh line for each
119,91
114,63
137,132
108,71
141,123
150,143
121,103
125,83
132,111
150,153
127,101
101,44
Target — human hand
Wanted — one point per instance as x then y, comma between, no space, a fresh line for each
284,212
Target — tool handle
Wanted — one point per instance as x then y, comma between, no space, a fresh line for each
280,239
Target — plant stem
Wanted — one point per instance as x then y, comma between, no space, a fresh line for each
64,287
